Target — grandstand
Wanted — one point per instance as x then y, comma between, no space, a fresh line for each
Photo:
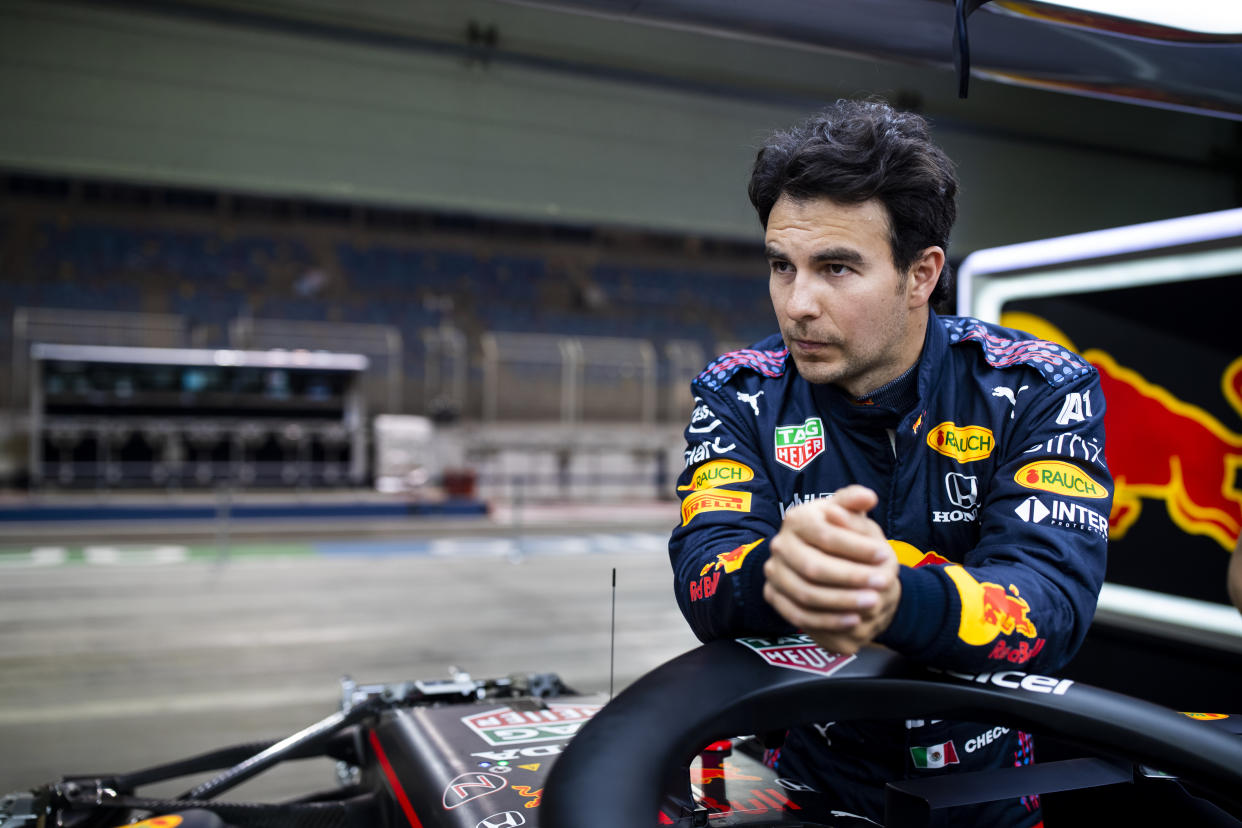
552,354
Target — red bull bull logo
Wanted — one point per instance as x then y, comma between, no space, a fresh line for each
730,561
1006,611
1163,448
709,576
989,610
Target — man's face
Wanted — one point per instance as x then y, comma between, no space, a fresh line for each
845,313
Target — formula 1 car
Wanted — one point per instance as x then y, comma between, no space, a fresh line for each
527,751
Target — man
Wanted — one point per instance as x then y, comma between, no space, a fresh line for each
880,474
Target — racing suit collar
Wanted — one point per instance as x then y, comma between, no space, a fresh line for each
898,400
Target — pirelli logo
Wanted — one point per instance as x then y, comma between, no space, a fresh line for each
713,500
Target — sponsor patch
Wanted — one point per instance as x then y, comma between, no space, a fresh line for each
702,413
468,786
511,754
730,561
703,451
532,796
1010,394
989,610
750,399
1020,654
799,499
1059,477
965,444
798,445
509,819
506,726
1063,513
1076,408
963,492
718,473
1207,717
709,576
797,652
713,500
1068,444
704,587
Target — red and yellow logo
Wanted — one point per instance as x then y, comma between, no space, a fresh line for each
910,555
1163,448
730,561
988,610
718,473
1207,717
1059,477
713,500
965,444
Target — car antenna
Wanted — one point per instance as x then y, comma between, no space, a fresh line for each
612,635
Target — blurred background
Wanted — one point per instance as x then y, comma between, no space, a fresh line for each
335,336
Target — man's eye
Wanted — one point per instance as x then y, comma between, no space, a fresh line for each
839,269
781,267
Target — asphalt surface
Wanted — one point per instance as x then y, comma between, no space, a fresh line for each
121,654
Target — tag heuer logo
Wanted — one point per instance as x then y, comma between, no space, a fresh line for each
797,652
506,726
797,445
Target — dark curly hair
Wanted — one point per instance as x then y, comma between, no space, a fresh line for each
854,151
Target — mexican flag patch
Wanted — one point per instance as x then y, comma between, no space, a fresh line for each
934,756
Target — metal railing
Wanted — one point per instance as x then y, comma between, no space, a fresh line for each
570,379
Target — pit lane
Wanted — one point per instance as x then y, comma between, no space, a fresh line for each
116,662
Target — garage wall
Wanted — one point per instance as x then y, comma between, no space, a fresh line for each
402,116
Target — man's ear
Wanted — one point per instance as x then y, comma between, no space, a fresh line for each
924,275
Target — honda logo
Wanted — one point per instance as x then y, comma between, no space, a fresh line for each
509,819
963,490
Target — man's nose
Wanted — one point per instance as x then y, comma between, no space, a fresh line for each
801,302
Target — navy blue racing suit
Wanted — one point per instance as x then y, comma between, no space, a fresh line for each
993,491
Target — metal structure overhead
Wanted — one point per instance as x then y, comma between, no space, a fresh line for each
1021,42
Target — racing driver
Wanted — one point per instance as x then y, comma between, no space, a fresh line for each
877,473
